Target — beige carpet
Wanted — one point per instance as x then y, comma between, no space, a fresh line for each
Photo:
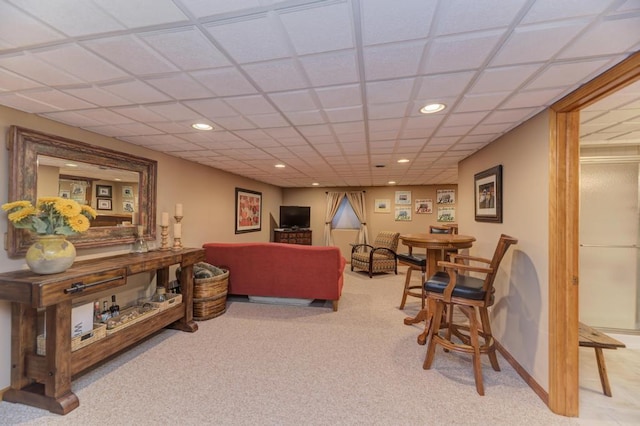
262,364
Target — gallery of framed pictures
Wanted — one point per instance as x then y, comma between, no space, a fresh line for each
248,211
488,195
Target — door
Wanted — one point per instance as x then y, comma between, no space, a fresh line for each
609,244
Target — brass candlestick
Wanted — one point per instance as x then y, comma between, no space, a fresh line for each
177,242
164,237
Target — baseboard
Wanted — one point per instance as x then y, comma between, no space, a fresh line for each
535,386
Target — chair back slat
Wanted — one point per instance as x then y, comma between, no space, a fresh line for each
501,249
388,240
434,229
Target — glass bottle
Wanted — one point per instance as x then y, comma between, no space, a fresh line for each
160,295
106,313
115,308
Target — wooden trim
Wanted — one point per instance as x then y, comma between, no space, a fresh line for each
529,380
564,191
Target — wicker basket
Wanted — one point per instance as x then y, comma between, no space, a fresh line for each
99,331
210,296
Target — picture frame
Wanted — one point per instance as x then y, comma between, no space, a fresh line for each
403,214
248,211
128,207
488,195
403,197
104,204
424,206
105,191
127,191
66,194
382,205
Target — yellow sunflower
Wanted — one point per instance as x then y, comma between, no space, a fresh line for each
67,208
89,211
79,223
16,204
21,214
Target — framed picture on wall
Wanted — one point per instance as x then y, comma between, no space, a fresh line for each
248,211
104,204
403,197
104,191
488,195
403,214
424,206
382,205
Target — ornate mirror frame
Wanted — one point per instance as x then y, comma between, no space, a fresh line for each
26,145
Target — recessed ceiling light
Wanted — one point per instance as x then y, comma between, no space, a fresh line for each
280,166
431,108
70,165
392,182
315,184
202,126
403,160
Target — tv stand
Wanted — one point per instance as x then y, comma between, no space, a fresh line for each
292,236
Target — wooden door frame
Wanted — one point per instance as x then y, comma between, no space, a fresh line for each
564,202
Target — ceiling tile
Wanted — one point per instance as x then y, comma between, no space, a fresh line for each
10,81
392,60
130,53
336,96
96,96
179,86
276,75
72,17
252,38
188,49
135,91
225,81
174,111
332,20
462,16
535,43
503,79
460,53
18,29
142,13
202,8
250,105
31,67
549,10
294,101
57,99
406,20
332,68
563,74
607,37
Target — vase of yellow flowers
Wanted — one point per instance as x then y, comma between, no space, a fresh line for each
52,219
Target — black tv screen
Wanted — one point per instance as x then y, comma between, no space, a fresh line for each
295,217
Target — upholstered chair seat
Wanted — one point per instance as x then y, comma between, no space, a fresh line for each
379,257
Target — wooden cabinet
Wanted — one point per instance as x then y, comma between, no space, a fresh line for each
45,380
293,237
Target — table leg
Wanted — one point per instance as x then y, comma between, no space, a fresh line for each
186,289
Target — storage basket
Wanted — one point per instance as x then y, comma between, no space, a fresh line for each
210,296
99,331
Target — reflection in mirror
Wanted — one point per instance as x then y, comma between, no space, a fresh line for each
119,186
113,193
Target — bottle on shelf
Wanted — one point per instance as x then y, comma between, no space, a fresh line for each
97,314
115,308
160,295
106,313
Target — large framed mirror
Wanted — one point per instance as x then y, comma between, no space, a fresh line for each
120,187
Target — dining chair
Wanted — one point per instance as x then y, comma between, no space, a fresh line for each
418,261
473,295
379,257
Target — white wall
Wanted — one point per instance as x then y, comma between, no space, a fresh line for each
207,194
521,311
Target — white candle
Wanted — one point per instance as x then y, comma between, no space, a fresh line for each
178,209
140,230
165,219
177,230
133,218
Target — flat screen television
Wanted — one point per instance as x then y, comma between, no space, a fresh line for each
295,217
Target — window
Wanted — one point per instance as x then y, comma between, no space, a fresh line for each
345,218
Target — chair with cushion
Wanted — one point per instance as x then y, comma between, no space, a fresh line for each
418,261
473,296
379,257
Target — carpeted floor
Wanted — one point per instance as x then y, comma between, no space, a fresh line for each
264,364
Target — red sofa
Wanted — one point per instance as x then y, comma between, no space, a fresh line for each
280,270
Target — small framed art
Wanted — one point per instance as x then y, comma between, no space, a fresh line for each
248,211
488,195
104,204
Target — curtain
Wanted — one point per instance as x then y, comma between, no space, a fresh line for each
333,202
356,199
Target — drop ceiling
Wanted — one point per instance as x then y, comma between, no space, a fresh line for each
331,89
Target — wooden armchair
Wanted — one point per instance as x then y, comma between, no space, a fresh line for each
379,257
473,296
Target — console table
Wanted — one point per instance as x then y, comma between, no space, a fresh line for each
44,381
294,236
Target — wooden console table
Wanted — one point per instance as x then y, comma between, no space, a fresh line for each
44,381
